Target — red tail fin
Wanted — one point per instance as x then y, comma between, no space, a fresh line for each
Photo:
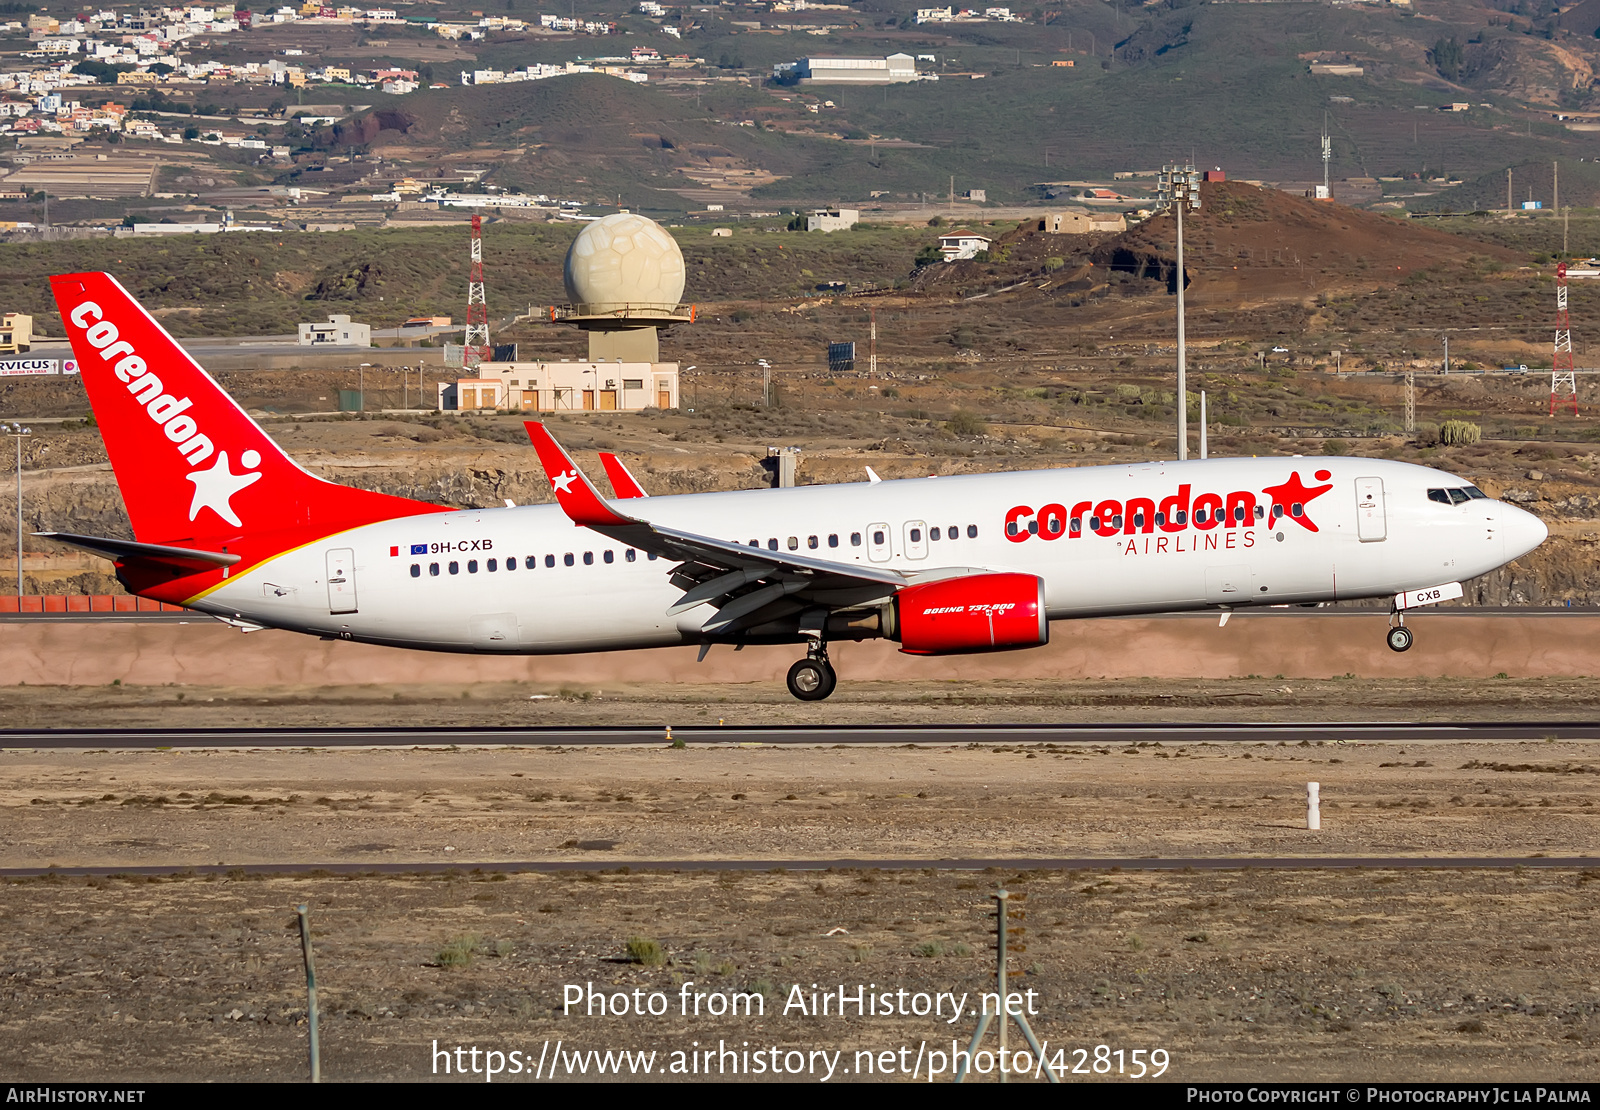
191,464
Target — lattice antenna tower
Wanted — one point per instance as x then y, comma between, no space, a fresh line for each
1563,378
477,337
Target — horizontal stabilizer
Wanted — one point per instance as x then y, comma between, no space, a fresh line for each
185,558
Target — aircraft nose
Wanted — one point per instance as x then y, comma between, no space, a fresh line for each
1521,530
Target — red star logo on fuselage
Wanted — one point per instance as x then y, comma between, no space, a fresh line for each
1295,492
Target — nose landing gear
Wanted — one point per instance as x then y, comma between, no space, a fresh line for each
813,678
1399,637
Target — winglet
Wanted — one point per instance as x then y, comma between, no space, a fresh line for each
621,481
574,492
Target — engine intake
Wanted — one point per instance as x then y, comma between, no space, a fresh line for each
980,612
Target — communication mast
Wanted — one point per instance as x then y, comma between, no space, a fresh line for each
1327,155
1563,378
477,337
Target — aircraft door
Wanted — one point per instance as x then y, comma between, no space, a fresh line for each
878,545
916,539
341,580
1371,524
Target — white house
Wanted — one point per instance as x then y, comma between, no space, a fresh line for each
833,219
957,245
339,331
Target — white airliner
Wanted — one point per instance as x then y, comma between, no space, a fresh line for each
227,524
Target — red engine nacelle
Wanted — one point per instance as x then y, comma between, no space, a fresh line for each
981,612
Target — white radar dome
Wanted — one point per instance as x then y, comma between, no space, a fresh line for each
624,259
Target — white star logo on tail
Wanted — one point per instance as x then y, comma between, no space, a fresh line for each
213,488
564,481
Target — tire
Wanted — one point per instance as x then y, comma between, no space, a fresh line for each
1399,639
811,680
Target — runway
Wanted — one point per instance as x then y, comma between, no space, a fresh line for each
756,735
630,866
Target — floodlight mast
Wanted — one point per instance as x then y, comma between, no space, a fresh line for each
1179,186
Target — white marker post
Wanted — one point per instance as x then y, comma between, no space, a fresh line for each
1313,806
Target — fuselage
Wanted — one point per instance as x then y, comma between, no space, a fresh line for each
1105,540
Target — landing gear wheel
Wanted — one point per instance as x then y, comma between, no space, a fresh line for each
812,679
1399,638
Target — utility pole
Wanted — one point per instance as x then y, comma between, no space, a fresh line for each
872,358
1508,191
18,433
1411,402
1555,186
1179,186
1447,354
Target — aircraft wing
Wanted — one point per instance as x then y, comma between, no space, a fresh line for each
741,581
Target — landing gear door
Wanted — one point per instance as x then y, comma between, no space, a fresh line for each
341,580
878,543
1371,525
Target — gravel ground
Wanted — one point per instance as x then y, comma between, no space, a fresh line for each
1400,976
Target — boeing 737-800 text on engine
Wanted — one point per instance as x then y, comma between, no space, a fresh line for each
227,524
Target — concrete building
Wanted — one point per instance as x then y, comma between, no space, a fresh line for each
564,387
339,331
833,219
16,333
893,70
1080,221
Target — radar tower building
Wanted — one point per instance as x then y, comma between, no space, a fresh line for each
624,278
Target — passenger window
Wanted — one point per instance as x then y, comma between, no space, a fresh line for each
811,542
1077,524
1297,509
1200,516
588,558
833,539
1094,524
416,570
1238,514
652,556
511,563
1011,528
1277,512
878,538
608,557
1138,520
1459,496
630,555
493,565
1116,520
455,568
972,531
1261,511
1033,527
433,570
472,566
568,559
1439,495
550,560
855,539
933,533
772,543
794,543
916,535
1181,517
1161,518
755,543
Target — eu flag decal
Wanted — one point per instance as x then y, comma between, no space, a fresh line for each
419,549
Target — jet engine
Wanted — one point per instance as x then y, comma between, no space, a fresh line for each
979,612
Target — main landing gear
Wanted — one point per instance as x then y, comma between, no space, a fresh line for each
813,678
1399,637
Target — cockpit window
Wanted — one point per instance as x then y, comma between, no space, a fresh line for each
1457,496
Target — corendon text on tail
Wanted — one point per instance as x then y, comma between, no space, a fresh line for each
225,523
